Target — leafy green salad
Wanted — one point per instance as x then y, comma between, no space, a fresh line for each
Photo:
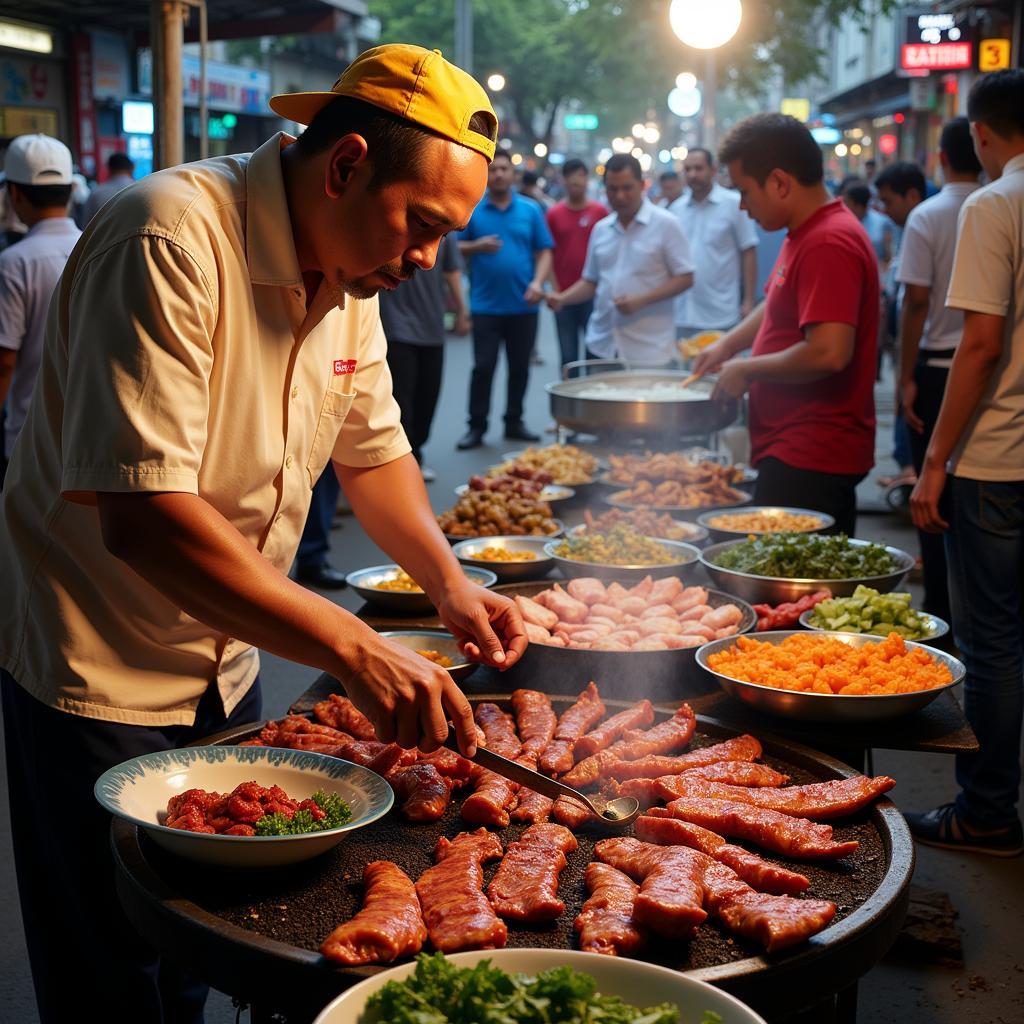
807,556
336,814
868,611
438,992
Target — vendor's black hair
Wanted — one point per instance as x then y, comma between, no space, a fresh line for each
768,142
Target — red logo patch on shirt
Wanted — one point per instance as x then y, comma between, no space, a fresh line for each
343,366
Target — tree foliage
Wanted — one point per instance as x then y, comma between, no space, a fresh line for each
617,58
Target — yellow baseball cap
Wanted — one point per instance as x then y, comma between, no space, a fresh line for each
415,84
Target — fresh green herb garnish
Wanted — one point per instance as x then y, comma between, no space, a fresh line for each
440,993
807,556
337,813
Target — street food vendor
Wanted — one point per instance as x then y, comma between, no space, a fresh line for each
213,342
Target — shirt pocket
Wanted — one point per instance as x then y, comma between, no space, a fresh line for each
335,408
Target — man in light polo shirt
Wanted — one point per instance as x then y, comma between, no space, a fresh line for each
509,247
726,240
213,343
637,263
976,455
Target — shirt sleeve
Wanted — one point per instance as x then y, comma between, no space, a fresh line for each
451,256
13,315
677,248
916,264
744,230
372,433
591,271
829,285
541,235
140,355
983,265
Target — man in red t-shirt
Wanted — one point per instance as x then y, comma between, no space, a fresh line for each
570,223
812,369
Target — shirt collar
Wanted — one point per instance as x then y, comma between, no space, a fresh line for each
488,201
53,226
269,243
1014,164
714,196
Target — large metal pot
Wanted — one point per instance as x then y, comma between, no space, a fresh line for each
596,415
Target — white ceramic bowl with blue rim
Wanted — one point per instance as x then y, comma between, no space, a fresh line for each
634,981
138,790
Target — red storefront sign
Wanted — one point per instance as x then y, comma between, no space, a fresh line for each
85,110
936,56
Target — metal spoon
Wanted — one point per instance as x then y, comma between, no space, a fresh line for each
615,814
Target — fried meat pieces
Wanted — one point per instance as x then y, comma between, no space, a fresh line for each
676,883
388,926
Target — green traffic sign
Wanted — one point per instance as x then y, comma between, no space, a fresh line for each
580,122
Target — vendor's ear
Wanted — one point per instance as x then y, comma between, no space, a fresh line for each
347,158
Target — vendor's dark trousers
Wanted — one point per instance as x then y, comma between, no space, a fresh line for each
835,494
416,372
88,963
315,544
516,333
571,324
931,386
985,549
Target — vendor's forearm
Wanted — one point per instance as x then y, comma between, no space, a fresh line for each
392,505
581,291
797,364
205,567
749,261
542,267
975,361
742,336
669,289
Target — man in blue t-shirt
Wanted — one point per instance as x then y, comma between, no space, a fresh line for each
510,248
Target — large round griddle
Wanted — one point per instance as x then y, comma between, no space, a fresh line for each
255,935
629,675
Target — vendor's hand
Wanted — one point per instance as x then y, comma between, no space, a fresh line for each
733,378
628,304
488,626
554,301
924,499
534,293
745,307
463,324
708,360
908,396
408,698
488,243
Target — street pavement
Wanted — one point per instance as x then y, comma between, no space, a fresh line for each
988,988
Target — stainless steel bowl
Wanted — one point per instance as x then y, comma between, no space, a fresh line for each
363,582
602,465
468,551
696,535
719,533
776,590
551,492
823,707
454,538
613,500
435,640
939,627
687,557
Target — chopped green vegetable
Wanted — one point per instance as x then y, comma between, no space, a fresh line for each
438,992
336,811
868,611
807,556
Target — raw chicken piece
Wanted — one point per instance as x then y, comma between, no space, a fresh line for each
654,611
587,589
537,634
535,613
649,643
607,611
667,589
677,642
566,607
726,615
690,597
697,613
648,627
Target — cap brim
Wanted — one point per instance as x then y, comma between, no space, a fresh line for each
300,107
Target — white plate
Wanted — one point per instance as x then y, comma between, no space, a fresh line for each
138,790
634,981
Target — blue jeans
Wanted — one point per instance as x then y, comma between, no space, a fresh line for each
314,544
571,324
985,552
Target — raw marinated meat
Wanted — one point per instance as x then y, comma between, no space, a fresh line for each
587,589
342,714
388,926
605,924
573,723
423,792
535,720
525,887
536,614
639,716
737,773
499,730
649,767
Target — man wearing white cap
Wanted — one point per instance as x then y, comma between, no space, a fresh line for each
38,179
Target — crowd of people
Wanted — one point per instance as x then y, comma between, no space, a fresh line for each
209,373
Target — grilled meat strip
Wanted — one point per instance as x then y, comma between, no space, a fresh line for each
525,887
605,924
639,716
574,723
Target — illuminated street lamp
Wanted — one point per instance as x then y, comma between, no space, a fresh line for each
540,150
686,80
496,82
706,27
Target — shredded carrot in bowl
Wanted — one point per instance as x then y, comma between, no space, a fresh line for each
821,664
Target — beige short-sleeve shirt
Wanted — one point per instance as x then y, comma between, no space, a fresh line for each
179,356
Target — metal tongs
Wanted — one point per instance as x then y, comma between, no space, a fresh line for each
613,814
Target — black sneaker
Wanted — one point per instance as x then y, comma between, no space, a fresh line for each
943,828
517,432
471,439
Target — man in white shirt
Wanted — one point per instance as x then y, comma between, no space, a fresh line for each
979,441
726,239
38,181
120,174
637,262
929,331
